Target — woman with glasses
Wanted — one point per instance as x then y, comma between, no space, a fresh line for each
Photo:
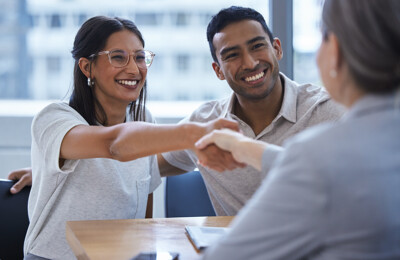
334,192
91,158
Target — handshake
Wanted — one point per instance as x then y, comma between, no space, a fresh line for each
222,147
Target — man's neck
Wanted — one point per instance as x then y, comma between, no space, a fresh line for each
258,114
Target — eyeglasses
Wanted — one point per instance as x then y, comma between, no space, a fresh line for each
120,58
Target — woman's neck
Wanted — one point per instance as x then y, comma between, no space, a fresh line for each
114,115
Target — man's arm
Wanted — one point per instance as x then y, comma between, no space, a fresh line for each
23,177
166,169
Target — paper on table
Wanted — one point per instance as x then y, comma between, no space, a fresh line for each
203,237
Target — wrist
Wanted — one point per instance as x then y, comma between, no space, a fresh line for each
191,133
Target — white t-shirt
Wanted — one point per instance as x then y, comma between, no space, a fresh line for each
86,189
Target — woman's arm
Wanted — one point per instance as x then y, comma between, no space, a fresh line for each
129,141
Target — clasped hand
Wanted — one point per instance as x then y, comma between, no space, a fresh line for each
216,150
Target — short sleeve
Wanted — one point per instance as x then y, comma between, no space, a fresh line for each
48,130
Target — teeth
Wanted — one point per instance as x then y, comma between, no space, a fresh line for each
255,77
127,82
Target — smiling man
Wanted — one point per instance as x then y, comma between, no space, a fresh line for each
268,105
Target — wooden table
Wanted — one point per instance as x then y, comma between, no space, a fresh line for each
123,239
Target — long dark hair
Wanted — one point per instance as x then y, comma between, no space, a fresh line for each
91,38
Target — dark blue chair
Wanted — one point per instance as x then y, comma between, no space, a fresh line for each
13,221
186,196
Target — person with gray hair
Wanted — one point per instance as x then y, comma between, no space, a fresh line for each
333,192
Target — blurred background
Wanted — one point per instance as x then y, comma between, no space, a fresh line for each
37,37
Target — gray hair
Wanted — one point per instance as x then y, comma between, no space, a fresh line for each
368,32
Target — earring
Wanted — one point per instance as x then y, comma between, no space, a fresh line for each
333,73
90,82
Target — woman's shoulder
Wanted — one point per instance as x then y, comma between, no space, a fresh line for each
57,110
56,106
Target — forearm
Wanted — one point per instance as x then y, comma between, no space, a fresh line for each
138,139
250,152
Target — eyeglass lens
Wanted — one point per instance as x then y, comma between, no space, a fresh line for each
119,58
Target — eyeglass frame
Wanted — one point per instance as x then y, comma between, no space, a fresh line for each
152,54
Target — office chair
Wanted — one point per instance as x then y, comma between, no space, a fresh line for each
186,196
13,221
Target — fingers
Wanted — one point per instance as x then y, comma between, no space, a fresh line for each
214,158
205,140
24,177
226,123
17,174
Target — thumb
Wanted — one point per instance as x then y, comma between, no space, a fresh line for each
16,187
204,141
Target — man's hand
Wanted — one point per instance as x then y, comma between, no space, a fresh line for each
217,159
23,177
242,148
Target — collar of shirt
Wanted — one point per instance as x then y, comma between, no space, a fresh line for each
371,103
288,108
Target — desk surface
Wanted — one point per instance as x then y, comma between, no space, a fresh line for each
123,239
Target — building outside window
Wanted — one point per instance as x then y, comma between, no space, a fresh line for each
45,30
182,62
33,31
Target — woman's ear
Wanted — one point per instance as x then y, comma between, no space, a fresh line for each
84,65
218,71
334,49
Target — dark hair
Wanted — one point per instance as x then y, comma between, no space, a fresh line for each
231,15
90,39
369,38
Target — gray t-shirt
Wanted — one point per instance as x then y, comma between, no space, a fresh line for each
86,189
303,106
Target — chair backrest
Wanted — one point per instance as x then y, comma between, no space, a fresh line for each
13,221
186,196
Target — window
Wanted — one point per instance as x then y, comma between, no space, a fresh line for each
306,40
146,19
55,20
183,62
80,19
41,39
181,18
53,64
